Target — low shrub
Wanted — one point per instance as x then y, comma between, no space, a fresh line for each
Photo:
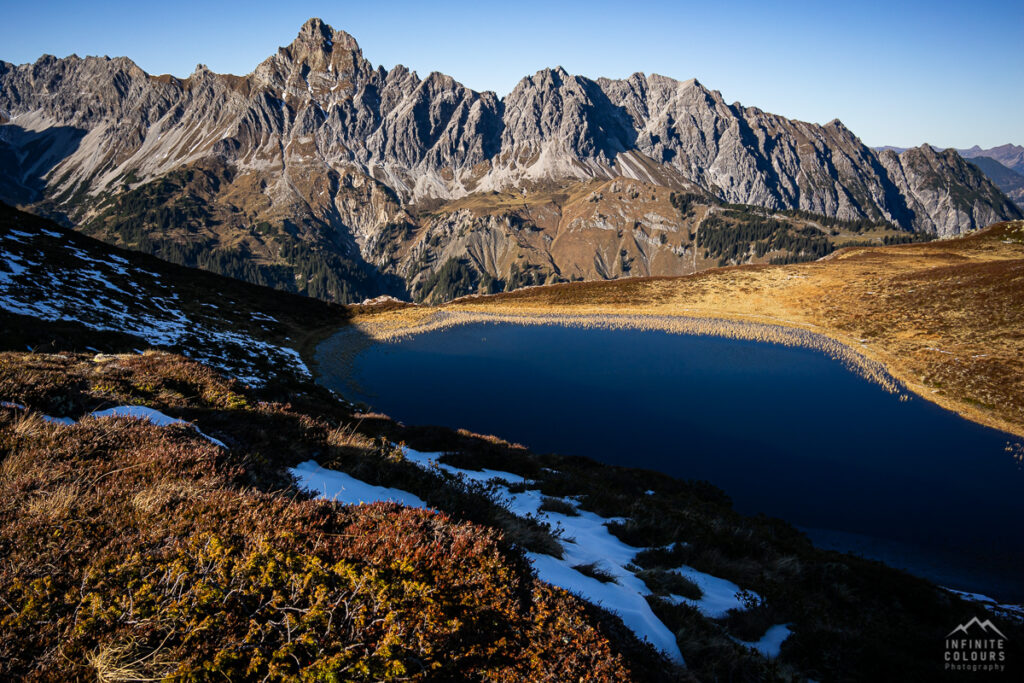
562,507
595,571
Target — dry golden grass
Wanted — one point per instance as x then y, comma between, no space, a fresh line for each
155,498
347,436
54,504
945,318
30,425
114,663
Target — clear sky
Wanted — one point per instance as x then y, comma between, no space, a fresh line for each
897,73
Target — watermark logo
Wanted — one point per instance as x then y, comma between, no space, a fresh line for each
976,646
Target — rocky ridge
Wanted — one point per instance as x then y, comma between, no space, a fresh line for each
316,159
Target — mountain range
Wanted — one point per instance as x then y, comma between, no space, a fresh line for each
321,174
1006,179
1010,156
1004,166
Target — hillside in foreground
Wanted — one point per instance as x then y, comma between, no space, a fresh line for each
136,550
183,545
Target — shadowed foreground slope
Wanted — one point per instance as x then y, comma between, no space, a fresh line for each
139,552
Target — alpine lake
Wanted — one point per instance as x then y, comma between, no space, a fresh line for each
786,431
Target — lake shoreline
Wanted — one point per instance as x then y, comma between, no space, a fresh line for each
868,362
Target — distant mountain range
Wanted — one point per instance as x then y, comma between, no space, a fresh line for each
321,174
1004,166
1009,181
1010,156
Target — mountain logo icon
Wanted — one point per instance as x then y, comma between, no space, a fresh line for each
986,627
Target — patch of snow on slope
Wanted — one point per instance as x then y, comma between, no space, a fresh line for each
102,293
12,264
150,415
771,641
718,595
348,490
1007,611
428,460
586,540
153,416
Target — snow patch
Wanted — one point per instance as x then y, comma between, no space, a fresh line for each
1007,611
718,595
346,489
150,415
586,540
771,642
154,417
428,460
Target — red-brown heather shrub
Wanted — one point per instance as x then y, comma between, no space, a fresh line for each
137,552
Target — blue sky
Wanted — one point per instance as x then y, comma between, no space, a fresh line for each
900,73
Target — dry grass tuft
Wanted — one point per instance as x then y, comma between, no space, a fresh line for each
55,504
114,663
156,498
30,425
346,436
21,465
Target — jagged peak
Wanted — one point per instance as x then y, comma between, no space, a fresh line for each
556,74
400,71
317,46
934,154
838,125
317,34
315,25
440,79
927,149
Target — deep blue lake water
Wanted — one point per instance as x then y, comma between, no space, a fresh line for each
784,431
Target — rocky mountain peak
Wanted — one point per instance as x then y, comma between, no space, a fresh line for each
935,155
315,34
318,59
319,48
